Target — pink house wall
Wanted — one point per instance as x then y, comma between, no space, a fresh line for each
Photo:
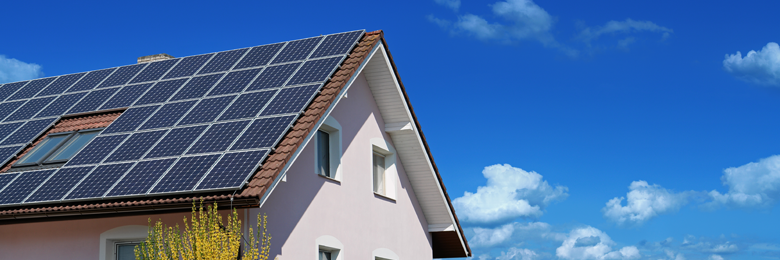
308,206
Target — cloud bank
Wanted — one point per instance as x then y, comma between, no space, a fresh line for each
591,243
644,202
12,70
510,193
756,184
760,67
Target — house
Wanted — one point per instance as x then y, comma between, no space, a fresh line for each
317,133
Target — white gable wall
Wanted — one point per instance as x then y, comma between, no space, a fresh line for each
307,207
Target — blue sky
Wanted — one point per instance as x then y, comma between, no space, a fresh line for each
577,130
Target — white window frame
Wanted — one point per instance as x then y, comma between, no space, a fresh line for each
384,254
333,128
381,146
123,234
331,244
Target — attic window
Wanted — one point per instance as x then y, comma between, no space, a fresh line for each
57,148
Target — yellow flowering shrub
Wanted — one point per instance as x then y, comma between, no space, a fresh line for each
205,238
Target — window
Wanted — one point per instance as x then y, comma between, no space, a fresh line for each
329,248
379,173
57,148
327,152
384,172
323,154
325,255
125,251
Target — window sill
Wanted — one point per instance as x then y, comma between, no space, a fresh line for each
383,197
329,178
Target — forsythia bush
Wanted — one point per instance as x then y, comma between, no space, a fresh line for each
204,237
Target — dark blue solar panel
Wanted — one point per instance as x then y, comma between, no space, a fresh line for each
263,132
274,77
168,115
314,71
130,119
60,105
61,84
5,179
259,56
93,100
207,110
176,142
185,174
9,89
154,71
29,109
9,107
297,50
234,82
247,105
197,87
135,146
161,92
141,177
29,131
218,137
290,100
232,170
223,61
188,66
96,150
90,80
337,44
25,184
99,181
31,89
126,96
59,184
122,75
6,153
7,129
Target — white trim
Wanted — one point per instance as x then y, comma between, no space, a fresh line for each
384,254
329,243
129,233
333,128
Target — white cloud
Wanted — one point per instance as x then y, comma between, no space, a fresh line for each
627,26
518,254
487,237
750,185
715,257
760,67
491,237
452,4
644,202
510,193
674,256
12,70
599,247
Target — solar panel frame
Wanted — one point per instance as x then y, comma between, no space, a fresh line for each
260,55
126,96
104,145
168,115
270,77
61,103
30,109
204,84
163,185
32,88
122,75
346,41
161,92
9,89
19,137
7,153
8,108
207,110
128,185
238,179
188,66
247,105
59,184
61,84
155,71
93,100
208,142
91,80
249,139
297,50
131,119
313,71
6,179
223,61
234,82
93,185
22,186
136,146
280,103
167,146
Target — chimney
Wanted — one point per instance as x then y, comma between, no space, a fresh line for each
156,57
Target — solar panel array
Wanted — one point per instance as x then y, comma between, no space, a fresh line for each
192,124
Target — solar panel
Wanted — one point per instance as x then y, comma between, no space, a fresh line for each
96,150
259,56
297,50
6,153
28,131
207,110
232,170
223,61
7,108
90,80
160,92
5,179
168,115
247,105
185,174
263,133
315,71
122,75
130,119
197,87
60,105
188,66
58,185
99,181
218,138
274,77
290,100
93,100
20,188
234,82
337,44
155,70
141,178
126,96
61,84
8,129
29,109
135,146
9,89
176,142
31,89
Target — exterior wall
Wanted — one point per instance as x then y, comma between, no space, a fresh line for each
308,206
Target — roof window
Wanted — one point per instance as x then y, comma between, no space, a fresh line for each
57,148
